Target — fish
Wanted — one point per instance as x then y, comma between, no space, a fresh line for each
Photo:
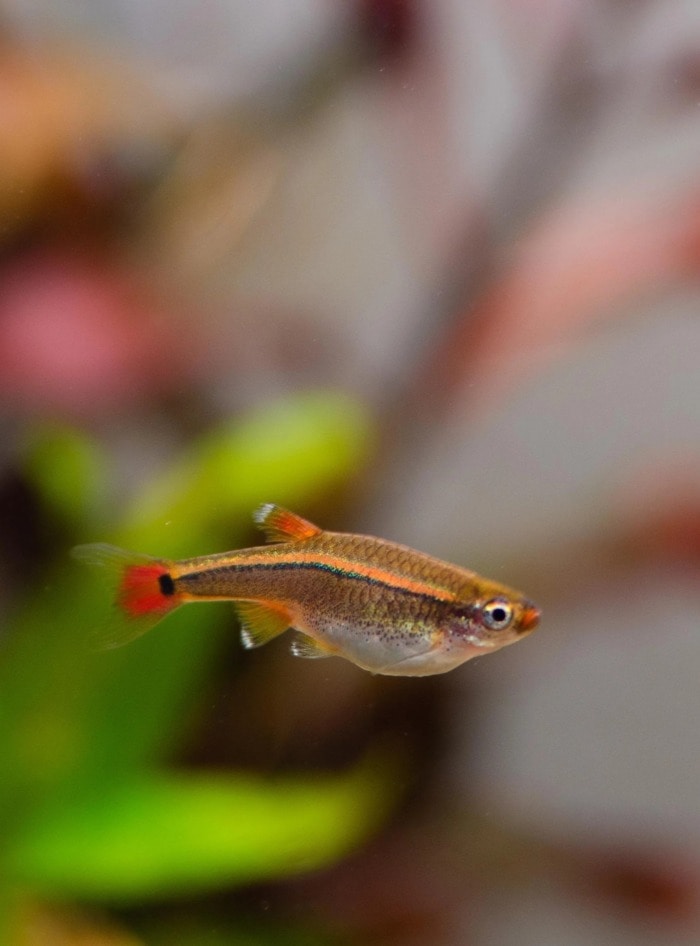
385,607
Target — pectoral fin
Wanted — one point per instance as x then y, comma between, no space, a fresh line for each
260,623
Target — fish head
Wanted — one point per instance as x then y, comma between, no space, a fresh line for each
493,617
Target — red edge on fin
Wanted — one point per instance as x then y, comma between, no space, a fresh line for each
140,592
281,525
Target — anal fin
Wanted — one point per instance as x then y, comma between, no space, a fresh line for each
305,646
260,623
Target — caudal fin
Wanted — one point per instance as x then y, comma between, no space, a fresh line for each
142,588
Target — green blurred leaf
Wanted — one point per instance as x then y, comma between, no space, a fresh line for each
69,471
286,452
157,836
73,718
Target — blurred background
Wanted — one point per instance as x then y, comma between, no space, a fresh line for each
426,270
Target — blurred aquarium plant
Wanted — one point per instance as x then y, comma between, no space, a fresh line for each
89,809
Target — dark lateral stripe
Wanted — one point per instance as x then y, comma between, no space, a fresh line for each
309,566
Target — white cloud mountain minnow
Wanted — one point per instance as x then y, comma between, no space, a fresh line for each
385,607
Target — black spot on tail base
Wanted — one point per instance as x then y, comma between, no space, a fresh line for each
167,585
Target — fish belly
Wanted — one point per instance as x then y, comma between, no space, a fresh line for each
374,647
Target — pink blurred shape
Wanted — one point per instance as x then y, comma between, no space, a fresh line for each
578,266
77,338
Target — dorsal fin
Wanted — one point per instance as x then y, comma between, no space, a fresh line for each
281,525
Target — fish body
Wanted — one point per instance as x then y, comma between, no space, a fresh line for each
387,608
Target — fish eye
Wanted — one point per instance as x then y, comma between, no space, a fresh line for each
497,614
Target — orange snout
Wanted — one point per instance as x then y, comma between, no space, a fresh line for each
530,617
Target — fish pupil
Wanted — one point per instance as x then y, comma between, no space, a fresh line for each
167,585
499,615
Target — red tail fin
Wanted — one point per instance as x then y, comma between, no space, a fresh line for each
142,587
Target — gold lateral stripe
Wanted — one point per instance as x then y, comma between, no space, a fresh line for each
341,565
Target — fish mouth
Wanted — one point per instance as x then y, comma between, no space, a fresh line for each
530,617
